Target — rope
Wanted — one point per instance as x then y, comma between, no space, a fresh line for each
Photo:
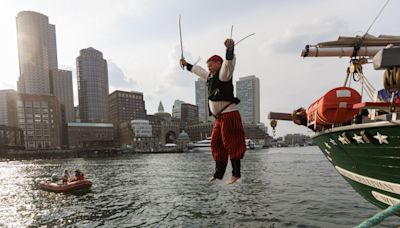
380,216
367,85
380,12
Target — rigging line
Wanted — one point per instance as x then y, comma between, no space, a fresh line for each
365,82
361,39
362,89
377,16
367,85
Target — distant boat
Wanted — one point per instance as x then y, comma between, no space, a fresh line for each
202,145
205,145
170,145
67,187
250,144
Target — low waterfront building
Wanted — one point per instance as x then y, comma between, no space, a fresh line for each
155,122
297,140
11,137
83,135
39,116
170,131
257,134
263,127
141,128
165,128
199,131
137,135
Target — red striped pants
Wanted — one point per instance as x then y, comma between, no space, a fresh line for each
227,138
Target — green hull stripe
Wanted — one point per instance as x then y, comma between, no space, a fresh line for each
372,182
385,199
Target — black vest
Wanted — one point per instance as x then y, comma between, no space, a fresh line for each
219,90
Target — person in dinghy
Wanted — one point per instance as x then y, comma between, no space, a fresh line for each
227,138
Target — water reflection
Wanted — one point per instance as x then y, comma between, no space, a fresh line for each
280,187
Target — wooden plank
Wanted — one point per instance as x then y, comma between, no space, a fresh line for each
280,116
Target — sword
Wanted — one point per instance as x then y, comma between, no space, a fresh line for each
180,36
244,38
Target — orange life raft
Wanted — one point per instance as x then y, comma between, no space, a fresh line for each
67,187
335,107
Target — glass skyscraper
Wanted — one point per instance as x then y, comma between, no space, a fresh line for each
248,91
92,75
37,52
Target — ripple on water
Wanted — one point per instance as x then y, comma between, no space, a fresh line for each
286,187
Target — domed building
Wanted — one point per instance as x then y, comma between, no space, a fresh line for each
183,141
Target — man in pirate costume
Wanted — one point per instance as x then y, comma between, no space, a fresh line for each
227,139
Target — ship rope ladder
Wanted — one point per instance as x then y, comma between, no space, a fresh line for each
380,216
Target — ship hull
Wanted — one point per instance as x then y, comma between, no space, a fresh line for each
368,157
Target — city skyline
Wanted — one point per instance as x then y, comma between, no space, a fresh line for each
127,37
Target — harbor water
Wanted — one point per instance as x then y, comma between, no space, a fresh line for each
282,187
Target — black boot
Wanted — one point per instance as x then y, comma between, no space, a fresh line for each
220,168
235,168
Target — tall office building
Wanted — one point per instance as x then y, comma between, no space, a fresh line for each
125,106
189,113
37,52
92,85
176,109
61,87
202,100
248,91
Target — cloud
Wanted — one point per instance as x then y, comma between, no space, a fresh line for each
294,37
117,78
174,82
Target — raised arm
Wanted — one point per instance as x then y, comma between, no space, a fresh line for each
228,66
197,70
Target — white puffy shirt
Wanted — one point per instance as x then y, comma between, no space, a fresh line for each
225,74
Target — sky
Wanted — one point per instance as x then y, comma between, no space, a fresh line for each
140,41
